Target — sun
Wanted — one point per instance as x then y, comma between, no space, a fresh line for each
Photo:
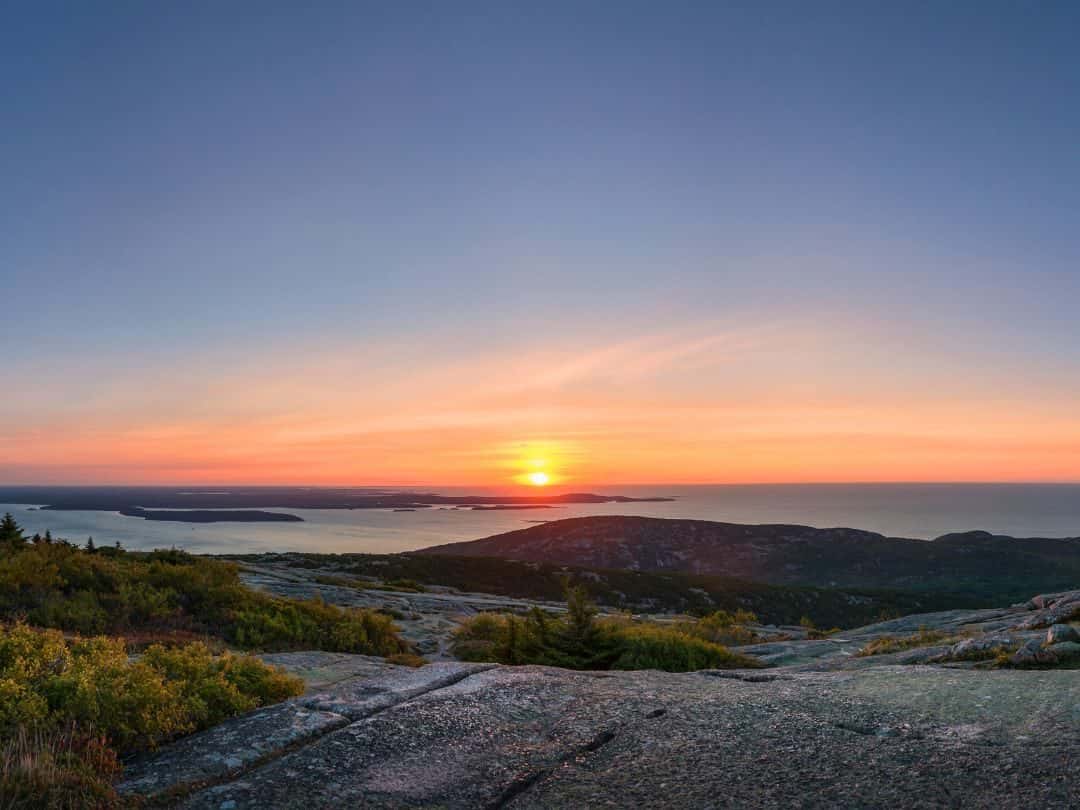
539,478
535,464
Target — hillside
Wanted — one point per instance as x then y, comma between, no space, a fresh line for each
978,563
428,594
873,718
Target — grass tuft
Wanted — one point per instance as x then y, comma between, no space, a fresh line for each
57,768
891,644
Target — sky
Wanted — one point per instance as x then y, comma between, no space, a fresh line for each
455,243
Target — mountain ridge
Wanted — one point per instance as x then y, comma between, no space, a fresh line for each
791,554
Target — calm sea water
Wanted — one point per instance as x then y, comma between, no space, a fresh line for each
902,510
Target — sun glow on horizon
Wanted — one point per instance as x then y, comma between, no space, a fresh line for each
536,463
539,478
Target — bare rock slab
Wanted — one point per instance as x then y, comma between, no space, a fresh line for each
534,737
360,697
322,670
359,687
226,749
475,743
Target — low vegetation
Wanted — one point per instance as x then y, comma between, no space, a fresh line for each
57,768
580,640
69,707
892,644
723,627
813,631
170,595
393,585
407,660
638,591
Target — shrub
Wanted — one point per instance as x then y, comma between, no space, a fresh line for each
66,708
814,632
650,646
579,640
890,644
19,705
133,704
722,627
46,682
169,591
268,623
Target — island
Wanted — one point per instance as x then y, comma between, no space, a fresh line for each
211,515
504,507
248,504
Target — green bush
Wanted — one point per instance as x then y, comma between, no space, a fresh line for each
650,646
721,627
46,681
579,640
68,707
55,584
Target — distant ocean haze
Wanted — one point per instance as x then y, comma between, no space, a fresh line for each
899,510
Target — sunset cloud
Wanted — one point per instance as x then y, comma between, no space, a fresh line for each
678,405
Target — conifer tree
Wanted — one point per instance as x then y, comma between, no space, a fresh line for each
11,534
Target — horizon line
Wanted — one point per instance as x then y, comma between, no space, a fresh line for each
553,489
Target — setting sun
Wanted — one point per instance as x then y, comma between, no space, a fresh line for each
539,479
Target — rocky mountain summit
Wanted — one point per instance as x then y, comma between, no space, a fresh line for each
974,562
959,721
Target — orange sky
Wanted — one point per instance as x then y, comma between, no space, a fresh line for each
780,402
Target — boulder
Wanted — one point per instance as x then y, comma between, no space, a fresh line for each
1062,632
1033,653
981,647
1066,650
1061,610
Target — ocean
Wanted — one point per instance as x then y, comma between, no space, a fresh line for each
900,510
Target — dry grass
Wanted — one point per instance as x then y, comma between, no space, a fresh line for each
891,644
406,660
61,769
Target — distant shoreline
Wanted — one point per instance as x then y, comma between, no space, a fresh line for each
212,515
249,505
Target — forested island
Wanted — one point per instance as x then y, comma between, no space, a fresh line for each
212,515
248,504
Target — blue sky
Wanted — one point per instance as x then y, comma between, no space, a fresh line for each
198,190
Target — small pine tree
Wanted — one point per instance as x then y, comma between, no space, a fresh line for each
90,548
11,534
512,654
48,537
577,639
580,613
